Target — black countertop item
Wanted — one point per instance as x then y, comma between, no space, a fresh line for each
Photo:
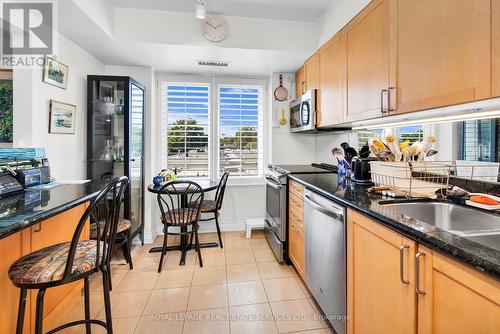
302,169
482,256
30,207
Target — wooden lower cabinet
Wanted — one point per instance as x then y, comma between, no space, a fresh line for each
296,245
12,248
454,298
382,286
59,228
378,301
296,250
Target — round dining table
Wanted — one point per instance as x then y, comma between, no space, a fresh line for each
206,185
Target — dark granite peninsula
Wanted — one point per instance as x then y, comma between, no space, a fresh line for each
31,220
32,206
483,255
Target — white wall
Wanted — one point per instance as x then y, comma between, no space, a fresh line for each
179,28
66,153
337,16
287,147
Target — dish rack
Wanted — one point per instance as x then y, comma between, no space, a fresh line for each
414,179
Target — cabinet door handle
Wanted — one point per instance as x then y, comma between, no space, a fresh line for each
401,264
38,228
382,93
417,273
389,109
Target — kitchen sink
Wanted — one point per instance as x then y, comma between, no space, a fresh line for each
454,218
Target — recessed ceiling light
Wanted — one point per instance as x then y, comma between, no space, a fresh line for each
201,9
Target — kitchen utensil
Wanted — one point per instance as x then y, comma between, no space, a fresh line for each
361,169
393,145
430,153
337,153
281,93
349,152
283,119
365,151
484,206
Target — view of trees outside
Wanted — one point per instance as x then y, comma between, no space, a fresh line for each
412,133
239,113
6,111
188,127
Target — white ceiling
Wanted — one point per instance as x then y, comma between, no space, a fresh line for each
171,41
294,10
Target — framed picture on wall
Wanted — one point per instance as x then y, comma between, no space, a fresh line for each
62,118
55,73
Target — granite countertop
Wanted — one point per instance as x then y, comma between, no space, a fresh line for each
479,256
24,209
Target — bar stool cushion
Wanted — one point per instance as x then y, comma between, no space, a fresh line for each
181,217
47,264
208,206
123,225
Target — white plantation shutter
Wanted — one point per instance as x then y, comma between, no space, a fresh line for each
185,124
240,129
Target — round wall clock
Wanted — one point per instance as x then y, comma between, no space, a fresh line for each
215,28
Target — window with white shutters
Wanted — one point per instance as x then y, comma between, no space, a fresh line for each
240,129
185,109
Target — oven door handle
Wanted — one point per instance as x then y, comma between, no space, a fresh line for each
273,184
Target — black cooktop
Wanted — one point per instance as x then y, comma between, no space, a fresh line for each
308,169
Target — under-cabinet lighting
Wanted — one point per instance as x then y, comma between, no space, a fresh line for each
471,116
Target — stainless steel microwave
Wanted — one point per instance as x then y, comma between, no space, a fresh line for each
303,112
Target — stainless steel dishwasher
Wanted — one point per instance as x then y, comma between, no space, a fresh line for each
325,243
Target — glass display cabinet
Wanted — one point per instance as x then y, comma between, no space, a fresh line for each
115,139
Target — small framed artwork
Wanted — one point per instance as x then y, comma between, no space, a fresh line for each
55,73
62,118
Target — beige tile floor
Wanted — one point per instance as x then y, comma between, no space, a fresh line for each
240,289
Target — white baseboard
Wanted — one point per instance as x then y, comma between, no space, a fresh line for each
207,227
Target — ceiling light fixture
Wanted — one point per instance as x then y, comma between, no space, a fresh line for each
201,9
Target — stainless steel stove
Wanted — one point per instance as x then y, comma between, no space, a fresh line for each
276,201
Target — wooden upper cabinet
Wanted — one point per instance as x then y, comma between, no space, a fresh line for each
330,97
455,298
312,72
368,61
440,53
381,294
495,38
300,81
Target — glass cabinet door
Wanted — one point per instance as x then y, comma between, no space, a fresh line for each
108,119
136,154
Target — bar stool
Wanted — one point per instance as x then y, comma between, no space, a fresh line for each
123,237
214,206
71,261
180,205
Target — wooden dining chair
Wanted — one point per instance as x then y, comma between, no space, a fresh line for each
180,206
214,206
68,262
